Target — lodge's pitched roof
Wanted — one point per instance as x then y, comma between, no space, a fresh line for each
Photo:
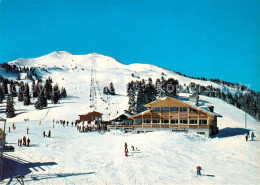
204,109
93,112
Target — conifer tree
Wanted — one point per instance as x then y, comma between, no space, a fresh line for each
21,91
55,94
26,95
112,89
63,93
1,95
42,100
10,111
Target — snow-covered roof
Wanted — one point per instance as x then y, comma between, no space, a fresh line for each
201,108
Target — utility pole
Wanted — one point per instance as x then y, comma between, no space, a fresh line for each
2,149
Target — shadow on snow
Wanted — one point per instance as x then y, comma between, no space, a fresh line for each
229,132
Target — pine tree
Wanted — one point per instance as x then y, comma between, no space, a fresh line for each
105,90
21,91
55,94
112,89
12,89
42,100
35,89
48,89
141,99
1,95
10,111
63,93
4,86
26,95
132,101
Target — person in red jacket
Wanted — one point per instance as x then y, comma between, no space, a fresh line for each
24,140
198,170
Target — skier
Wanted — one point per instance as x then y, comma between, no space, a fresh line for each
27,130
49,134
198,170
126,150
18,142
13,126
252,136
133,148
9,129
21,142
44,134
24,140
246,135
67,123
40,122
72,123
28,142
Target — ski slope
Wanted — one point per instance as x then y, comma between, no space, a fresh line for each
70,157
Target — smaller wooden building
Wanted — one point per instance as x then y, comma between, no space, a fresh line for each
122,119
91,117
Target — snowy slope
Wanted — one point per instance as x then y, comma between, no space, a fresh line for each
69,157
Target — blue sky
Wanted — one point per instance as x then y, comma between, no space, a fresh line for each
214,39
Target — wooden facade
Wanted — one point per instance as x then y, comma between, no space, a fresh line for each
175,114
91,116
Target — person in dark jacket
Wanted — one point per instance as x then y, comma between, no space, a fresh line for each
49,134
246,135
44,135
28,142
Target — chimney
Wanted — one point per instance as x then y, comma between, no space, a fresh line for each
194,99
211,108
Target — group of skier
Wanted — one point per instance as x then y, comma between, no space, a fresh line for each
126,149
249,135
44,134
24,142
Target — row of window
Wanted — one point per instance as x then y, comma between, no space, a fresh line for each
172,121
172,109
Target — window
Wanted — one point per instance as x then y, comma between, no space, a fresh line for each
156,109
183,109
165,121
137,121
193,110
156,121
165,109
193,121
201,133
147,121
174,121
183,121
174,109
203,122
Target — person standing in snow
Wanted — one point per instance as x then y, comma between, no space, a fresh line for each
21,140
246,135
49,134
9,129
24,140
18,142
27,130
28,142
44,134
126,150
252,136
198,170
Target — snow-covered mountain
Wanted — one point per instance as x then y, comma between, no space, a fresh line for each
74,73
70,157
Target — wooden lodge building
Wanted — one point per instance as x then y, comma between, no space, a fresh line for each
93,118
177,115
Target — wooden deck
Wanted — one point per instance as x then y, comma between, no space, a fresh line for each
170,126
121,127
